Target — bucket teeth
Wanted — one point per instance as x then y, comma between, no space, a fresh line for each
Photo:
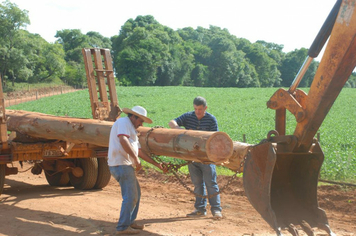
293,230
327,229
307,229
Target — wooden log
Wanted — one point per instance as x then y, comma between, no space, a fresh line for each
75,130
191,145
237,159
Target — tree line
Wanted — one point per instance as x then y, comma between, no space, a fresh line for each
146,53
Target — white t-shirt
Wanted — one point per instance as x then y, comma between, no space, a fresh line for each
116,154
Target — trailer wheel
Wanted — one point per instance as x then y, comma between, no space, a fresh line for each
90,173
103,174
2,177
57,180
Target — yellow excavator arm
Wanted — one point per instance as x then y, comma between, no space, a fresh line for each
281,173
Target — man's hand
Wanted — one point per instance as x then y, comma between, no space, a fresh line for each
145,157
163,167
125,143
173,124
138,166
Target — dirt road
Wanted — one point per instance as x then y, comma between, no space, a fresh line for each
14,98
29,206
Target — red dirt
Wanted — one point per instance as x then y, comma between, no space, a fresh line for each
29,206
17,97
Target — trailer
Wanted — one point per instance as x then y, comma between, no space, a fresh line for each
73,151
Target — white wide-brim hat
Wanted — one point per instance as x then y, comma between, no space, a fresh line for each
138,111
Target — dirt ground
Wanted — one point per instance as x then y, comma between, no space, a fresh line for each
17,97
29,206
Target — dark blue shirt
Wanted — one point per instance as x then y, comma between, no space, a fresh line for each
190,121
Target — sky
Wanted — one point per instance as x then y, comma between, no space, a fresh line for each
293,24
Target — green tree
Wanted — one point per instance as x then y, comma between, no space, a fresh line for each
148,53
177,64
218,61
225,63
45,60
201,54
75,74
291,65
12,60
199,75
351,82
265,65
96,40
73,41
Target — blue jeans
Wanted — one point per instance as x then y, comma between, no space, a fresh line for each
131,194
204,176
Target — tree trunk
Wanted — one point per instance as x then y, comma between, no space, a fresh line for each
76,130
237,159
190,145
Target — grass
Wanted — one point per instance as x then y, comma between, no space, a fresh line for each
239,111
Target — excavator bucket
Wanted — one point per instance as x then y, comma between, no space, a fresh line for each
282,187
281,173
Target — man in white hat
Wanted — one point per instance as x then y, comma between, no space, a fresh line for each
124,150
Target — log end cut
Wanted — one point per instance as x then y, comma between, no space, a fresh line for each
219,147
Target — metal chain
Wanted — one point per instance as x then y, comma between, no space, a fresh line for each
22,171
233,176
172,168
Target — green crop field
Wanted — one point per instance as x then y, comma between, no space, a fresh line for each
239,111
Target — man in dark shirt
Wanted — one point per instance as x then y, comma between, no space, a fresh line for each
202,175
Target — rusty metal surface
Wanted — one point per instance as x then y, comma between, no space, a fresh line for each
282,187
294,189
3,127
283,99
44,151
10,170
333,72
334,69
257,178
100,77
5,156
282,174
2,176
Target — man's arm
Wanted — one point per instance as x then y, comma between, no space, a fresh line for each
125,143
214,126
145,157
173,124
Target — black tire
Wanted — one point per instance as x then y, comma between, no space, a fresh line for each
103,174
2,177
57,180
90,173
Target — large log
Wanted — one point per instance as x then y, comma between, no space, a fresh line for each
191,145
237,159
200,146
75,130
